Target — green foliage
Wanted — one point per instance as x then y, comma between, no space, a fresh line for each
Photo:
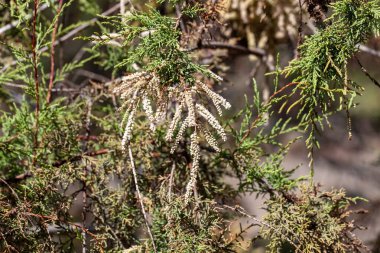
314,221
260,165
57,127
186,229
158,48
321,70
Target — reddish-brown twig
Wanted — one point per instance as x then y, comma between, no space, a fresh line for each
52,52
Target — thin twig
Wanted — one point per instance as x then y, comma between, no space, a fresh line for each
240,210
122,7
11,189
171,182
52,52
140,197
7,246
84,211
253,71
367,73
15,85
79,157
221,45
179,18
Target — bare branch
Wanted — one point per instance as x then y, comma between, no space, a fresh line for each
140,197
221,45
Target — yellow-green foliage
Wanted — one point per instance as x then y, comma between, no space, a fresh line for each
313,221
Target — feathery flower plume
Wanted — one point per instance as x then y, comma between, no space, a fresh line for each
211,120
190,106
195,154
128,128
180,134
174,122
147,106
210,139
146,88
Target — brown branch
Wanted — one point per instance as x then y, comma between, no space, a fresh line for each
52,52
10,188
281,90
179,18
221,45
87,138
79,157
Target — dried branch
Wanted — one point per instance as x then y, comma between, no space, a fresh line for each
140,197
51,218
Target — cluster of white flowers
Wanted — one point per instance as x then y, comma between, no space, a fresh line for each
145,88
210,139
216,98
176,118
133,89
190,107
147,106
195,153
180,134
128,128
207,115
